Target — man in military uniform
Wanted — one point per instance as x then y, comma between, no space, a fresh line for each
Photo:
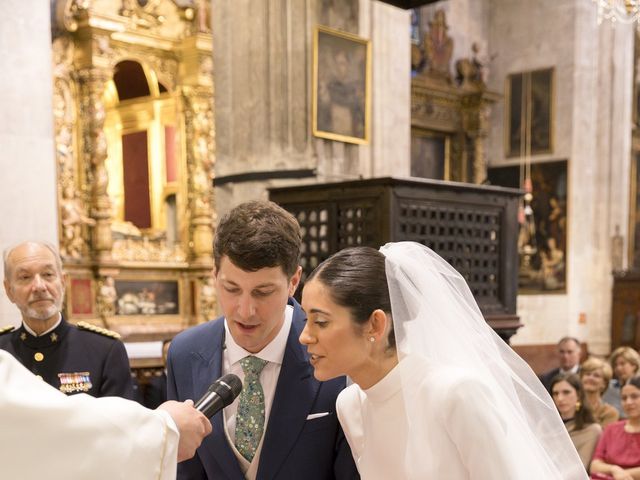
73,359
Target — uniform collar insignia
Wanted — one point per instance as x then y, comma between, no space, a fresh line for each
55,337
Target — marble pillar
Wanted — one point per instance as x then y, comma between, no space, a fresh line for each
28,204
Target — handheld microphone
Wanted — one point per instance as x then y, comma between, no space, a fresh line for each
220,394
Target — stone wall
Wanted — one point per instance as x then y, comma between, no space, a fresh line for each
263,54
28,204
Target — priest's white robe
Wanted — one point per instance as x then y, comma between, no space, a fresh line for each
47,434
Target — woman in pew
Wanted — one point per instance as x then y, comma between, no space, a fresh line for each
595,375
436,394
569,397
617,454
625,362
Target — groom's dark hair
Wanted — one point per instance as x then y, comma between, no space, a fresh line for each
259,234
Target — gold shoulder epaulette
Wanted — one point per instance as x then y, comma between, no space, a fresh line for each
95,329
7,329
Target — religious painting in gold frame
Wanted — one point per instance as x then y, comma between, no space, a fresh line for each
341,86
542,239
529,110
149,298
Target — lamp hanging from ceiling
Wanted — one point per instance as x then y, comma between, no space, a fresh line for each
527,244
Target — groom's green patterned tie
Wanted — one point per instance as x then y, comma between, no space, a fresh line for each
250,416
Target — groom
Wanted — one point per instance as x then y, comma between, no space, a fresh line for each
283,425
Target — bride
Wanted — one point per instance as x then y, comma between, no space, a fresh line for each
436,393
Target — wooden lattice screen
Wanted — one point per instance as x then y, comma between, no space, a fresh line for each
473,227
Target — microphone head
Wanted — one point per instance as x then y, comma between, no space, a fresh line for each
227,387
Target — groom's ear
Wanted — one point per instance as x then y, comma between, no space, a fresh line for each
294,281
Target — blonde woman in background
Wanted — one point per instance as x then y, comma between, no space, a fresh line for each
625,362
596,375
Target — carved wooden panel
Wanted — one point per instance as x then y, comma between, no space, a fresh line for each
625,315
466,236
473,227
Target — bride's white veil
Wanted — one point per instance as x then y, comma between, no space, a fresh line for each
435,316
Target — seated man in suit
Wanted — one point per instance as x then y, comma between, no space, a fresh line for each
283,425
569,353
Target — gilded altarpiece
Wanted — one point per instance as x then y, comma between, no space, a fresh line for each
449,112
135,149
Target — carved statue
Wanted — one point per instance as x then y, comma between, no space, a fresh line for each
480,65
438,47
107,297
203,16
142,14
207,299
471,73
73,217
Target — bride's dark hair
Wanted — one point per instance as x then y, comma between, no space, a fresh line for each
357,280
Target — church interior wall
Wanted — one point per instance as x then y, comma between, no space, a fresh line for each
28,195
263,55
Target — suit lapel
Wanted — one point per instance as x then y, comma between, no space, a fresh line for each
207,367
295,393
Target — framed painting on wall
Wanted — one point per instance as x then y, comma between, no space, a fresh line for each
430,154
341,84
147,297
529,113
542,239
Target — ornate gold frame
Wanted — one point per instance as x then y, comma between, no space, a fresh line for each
507,113
356,42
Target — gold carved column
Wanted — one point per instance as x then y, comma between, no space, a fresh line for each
197,101
92,82
476,108
74,219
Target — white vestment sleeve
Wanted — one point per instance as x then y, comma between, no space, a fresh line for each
46,434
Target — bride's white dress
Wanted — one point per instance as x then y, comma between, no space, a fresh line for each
458,434
460,405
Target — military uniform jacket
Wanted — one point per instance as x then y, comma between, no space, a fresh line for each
74,359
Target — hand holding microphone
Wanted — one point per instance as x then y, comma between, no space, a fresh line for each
193,420
220,394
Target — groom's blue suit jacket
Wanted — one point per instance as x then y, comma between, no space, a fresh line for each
293,447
